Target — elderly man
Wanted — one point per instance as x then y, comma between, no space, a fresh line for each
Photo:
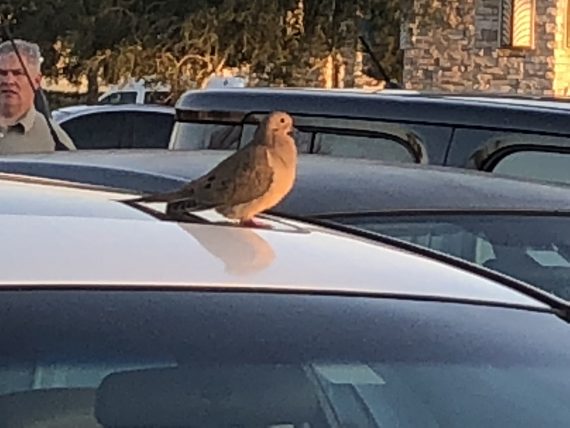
22,128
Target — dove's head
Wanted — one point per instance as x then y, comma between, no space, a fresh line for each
280,122
276,129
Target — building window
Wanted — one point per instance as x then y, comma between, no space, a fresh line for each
567,24
517,23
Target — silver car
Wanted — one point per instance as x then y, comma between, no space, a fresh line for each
113,315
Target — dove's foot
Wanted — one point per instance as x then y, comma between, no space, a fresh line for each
254,223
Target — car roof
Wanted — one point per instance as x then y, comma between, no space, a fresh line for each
324,184
82,238
72,109
76,111
493,112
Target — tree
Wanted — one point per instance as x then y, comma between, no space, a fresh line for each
182,43
380,25
185,53
34,21
73,33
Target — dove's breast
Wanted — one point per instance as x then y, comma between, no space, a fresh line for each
284,173
284,166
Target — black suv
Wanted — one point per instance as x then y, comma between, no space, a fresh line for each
520,136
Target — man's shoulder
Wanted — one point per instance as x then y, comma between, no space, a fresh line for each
35,120
42,131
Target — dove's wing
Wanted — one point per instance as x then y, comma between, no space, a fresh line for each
240,178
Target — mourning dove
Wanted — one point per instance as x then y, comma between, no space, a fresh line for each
253,179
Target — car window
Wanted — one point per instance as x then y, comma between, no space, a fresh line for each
534,249
198,136
302,139
99,130
317,135
119,98
127,358
151,130
528,155
155,97
354,146
541,165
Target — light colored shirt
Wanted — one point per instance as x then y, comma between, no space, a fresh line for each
31,134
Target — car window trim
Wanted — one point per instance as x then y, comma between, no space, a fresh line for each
413,145
320,130
565,212
260,290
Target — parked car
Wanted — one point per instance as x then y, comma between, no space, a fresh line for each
514,226
135,92
117,126
525,137
115,317
138,92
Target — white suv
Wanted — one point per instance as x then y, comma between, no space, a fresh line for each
140,93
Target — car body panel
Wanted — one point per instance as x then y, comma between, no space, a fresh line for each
75,237
330,184
75,111
402,107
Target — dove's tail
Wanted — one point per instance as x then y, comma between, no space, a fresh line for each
161,197
178,202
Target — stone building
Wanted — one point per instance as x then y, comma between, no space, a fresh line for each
509,46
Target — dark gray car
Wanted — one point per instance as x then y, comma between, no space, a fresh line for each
521,136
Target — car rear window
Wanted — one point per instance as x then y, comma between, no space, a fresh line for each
532,248
536,164
180,358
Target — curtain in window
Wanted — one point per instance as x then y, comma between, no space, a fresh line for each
517,23
523,22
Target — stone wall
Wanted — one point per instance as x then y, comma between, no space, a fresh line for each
460,51
437,55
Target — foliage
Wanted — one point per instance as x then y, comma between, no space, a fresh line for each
182,43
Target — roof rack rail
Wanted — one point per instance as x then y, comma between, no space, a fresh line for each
559,306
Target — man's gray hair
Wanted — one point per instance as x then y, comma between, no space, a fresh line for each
28,50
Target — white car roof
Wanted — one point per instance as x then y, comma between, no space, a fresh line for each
65,236
64,114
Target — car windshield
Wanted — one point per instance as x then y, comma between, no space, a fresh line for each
532,248
186,358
